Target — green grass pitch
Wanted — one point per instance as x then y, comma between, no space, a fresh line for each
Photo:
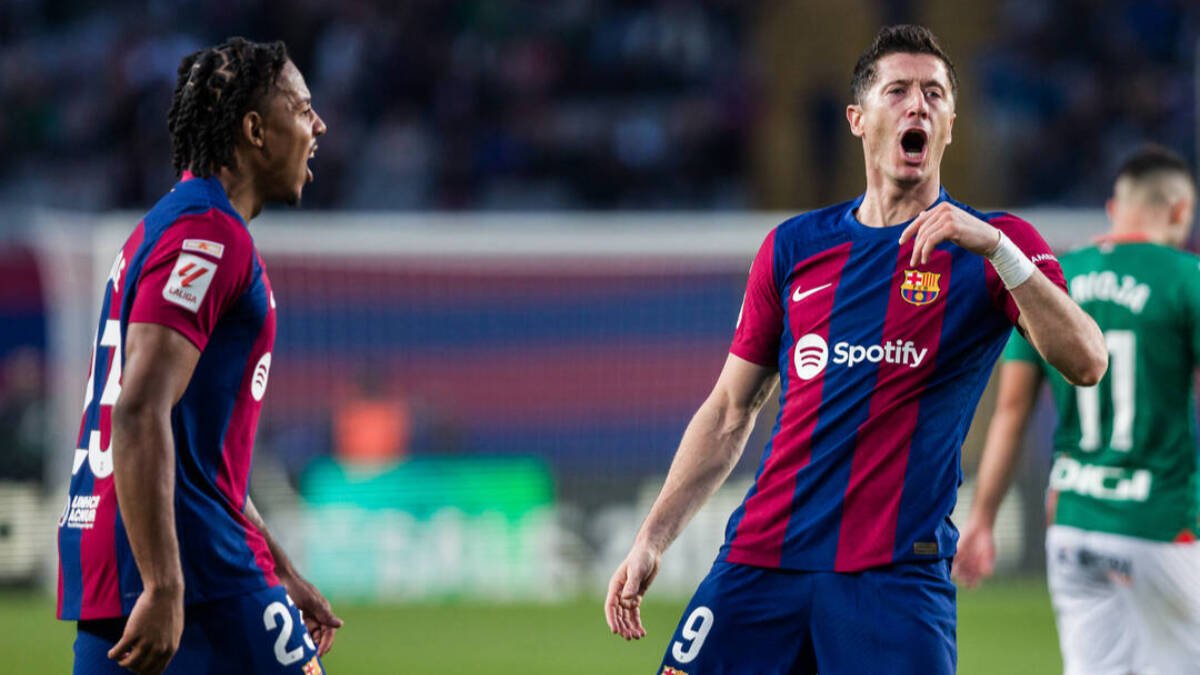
1003,628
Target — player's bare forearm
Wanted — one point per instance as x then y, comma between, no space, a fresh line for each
1063,333
711,446
144,475
158,365
709,450
1017,393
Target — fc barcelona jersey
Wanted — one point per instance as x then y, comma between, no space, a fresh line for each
881,366
191,266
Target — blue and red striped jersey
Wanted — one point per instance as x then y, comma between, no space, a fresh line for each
190,265
881,366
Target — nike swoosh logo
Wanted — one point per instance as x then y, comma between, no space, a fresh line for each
800,295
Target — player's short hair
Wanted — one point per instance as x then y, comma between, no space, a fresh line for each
1153,159
900,39
216,87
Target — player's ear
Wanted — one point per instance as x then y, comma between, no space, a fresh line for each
950,128
1181,212
253,130
1110,208
854,115
1185,225
1179,209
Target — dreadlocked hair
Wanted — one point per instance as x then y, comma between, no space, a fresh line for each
216,87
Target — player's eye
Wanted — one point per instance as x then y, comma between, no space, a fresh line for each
933,93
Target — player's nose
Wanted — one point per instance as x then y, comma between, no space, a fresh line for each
918,106
319,127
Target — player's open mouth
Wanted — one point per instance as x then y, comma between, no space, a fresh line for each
912,144
308,170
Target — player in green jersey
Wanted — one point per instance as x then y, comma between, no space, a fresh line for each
1122,559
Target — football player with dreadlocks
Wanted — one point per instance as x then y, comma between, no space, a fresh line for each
164,561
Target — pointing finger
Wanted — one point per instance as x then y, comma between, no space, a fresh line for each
934,237
914,227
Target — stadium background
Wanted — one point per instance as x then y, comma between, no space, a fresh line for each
516,275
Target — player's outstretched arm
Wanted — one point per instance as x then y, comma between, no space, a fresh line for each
158,366
1063,333
1019,382
318,615
710,448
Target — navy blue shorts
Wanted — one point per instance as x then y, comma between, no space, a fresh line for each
255,633
898,620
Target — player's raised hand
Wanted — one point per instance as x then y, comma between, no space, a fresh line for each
976,557
623,605
947,222
152,633
318,615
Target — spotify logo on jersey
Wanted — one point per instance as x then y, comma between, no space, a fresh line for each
811,355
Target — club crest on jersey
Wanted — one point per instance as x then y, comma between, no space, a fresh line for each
920,288
313,667
189,281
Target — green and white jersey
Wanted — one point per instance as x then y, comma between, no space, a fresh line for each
1125,449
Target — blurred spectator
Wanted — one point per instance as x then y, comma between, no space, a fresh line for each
372,426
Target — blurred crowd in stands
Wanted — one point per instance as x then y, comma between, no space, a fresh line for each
484,104
578,104
1071,86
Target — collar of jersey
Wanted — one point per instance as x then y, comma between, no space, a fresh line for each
1130,238
216,193
857,229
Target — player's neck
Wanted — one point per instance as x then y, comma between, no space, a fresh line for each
1136,231
242,193
887,203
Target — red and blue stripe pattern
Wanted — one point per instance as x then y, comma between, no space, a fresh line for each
594,365
22,302
862,468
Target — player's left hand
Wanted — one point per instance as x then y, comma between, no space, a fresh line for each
622,605
318,616
947,222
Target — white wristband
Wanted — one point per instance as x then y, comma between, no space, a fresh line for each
1011,263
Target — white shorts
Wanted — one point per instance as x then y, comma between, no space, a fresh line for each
1124,605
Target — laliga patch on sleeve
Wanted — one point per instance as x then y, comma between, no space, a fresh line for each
189,281
204,246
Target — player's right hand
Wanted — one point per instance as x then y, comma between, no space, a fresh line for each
152,632
976,558
622,606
